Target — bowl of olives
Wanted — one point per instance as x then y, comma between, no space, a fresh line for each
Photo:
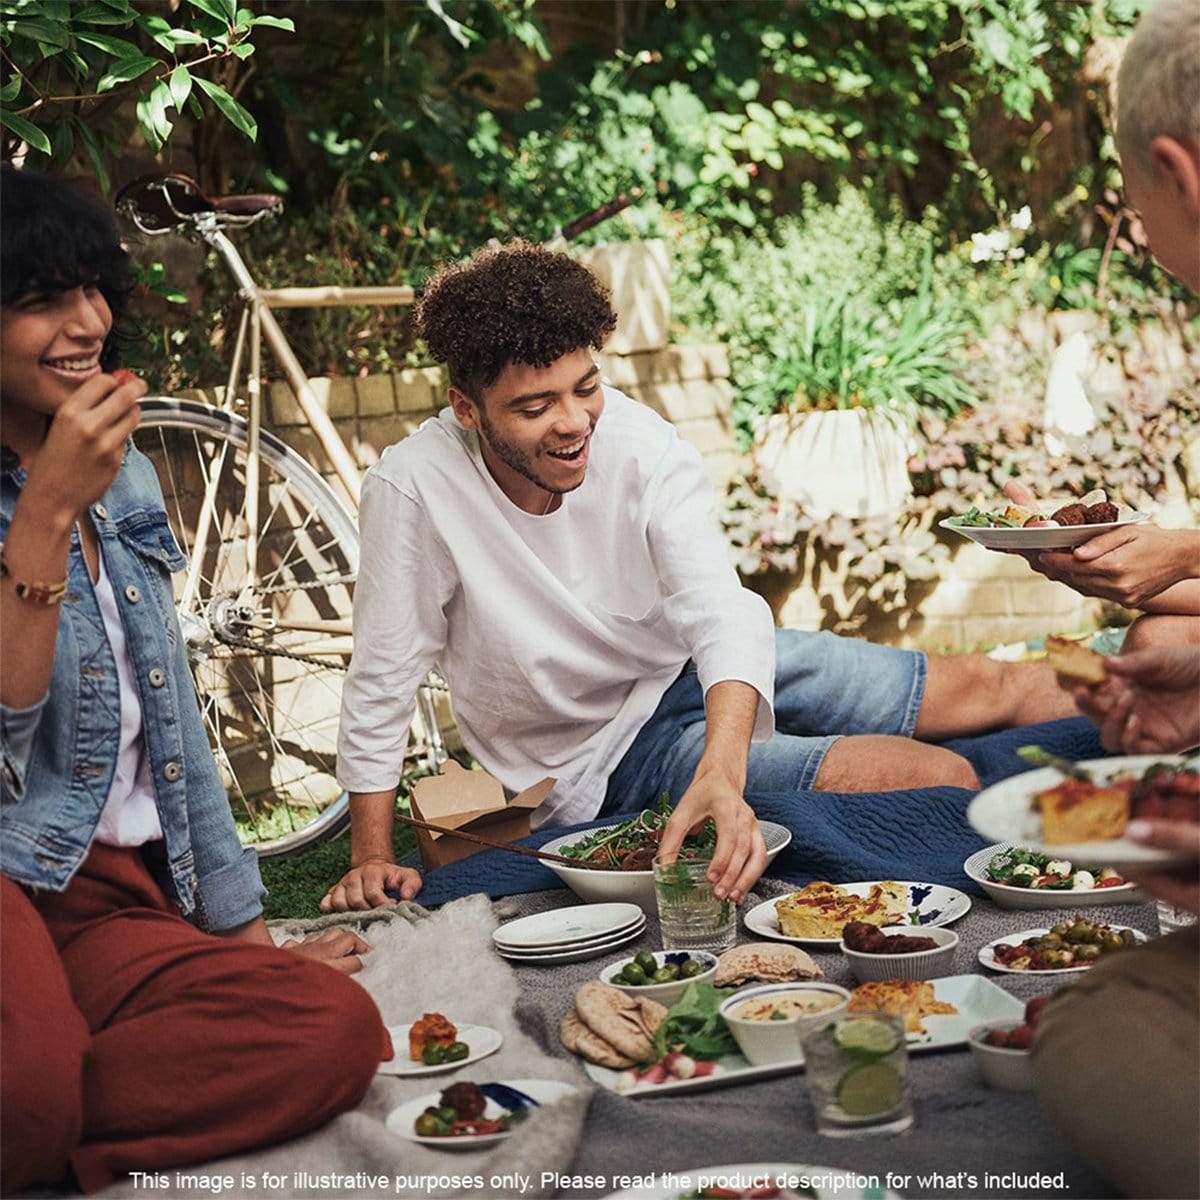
660,974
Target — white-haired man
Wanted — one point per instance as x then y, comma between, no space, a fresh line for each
1117,1056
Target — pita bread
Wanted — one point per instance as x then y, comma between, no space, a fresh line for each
624,1023
766,962
579,1039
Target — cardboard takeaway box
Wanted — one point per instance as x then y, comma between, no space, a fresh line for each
473,801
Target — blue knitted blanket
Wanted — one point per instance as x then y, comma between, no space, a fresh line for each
920,834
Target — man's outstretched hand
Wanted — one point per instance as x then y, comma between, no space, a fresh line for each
741,854
366,886
1180,885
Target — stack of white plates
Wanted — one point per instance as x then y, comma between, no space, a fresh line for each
569,934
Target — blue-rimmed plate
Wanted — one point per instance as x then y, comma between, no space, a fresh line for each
928,904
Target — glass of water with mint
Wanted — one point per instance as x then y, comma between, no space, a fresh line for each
690,914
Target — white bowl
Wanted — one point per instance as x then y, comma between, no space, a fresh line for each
636,887
664,993
767,1042
920,964
1009,1070
1008,896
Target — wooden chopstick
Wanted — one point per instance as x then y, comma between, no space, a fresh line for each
528,851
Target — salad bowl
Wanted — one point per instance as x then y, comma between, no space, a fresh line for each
627,845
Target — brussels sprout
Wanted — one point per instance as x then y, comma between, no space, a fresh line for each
427,1125
434,1054
457,1051
646,960
690,969
634,975
664,975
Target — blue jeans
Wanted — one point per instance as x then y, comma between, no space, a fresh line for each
825,686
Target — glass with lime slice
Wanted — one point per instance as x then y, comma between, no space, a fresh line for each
857,1070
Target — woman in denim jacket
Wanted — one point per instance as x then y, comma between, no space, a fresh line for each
148,1021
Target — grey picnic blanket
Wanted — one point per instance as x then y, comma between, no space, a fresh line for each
420,961
968,1141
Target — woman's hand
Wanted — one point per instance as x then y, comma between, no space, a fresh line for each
363,886
1129,565
85,445
340,949
1179,885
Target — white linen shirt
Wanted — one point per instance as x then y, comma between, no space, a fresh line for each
558,634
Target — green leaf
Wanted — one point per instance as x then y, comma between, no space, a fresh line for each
284,23
119,48
11,90
997,42
223,12
27,131
243,50
100,14
63,144
45,33
123,72
195,107
95,153
151,114
181,86
237,116
168,38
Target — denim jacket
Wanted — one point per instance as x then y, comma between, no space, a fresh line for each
59,755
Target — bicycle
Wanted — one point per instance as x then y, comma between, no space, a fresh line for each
265,604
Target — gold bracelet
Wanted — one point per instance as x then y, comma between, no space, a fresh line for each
43,594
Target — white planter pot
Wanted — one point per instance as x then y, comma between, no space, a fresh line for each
853,462
639,276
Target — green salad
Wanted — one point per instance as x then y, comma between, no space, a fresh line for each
1029,869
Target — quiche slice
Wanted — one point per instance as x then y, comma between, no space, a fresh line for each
822,910
911,999
1078,811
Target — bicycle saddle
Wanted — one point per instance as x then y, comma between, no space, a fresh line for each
160,202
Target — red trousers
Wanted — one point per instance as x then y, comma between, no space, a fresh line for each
133,1041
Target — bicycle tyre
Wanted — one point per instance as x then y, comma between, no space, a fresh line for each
165,422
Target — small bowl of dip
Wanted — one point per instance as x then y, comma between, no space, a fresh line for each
771,1021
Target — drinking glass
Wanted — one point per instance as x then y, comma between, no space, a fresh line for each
690,914
1171,918
857,1068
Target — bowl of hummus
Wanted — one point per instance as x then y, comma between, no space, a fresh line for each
771,1021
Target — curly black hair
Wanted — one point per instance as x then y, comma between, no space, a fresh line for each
55,237
516,304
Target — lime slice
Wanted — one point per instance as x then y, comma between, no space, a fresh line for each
876,1038
870,1090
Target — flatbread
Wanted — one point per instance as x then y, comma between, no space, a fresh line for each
1074,663
766,962
579,1039
626,1024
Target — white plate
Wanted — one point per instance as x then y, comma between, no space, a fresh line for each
829,1183
935,905
481,1039
1062,538
1004,812
576,954
596,886
977,999
564,927
400,1120
1007,896
610,939
987,955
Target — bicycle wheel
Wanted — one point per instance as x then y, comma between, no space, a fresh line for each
268,640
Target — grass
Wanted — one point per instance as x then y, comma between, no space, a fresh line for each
297,883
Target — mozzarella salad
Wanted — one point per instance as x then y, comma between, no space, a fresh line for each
1029,869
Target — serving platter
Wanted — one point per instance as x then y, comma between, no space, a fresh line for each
1062,537
1005,812
400,1120
598,886
987,955
977,999
481,1039
827,1183
932,903
1008,896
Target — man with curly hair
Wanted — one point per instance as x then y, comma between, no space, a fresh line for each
551,544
